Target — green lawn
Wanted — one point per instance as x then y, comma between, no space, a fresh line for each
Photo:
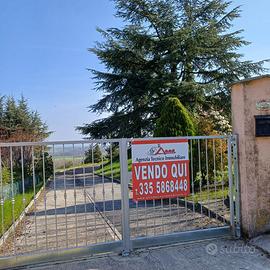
18,209
76,167
204,196
67,161
114,169
69,164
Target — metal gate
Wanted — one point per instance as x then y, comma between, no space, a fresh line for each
67,199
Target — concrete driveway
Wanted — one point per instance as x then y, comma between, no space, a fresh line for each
219,254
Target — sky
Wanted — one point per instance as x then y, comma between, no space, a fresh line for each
44,56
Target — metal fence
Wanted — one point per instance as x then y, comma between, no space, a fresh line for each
11,190
84,201
212,206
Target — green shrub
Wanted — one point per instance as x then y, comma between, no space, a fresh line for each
48,163
5,175
174,121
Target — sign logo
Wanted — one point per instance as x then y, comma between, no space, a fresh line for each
159,150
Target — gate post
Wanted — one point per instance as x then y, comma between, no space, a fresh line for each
124,197
236,186
231,191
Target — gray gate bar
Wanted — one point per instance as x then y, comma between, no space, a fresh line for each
125,197
59,256
188,236
237,186
231,190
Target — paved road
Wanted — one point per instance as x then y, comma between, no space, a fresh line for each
83,209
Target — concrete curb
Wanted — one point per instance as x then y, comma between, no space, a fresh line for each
262,243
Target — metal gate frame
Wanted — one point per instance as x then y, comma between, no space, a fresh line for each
234,230
127,245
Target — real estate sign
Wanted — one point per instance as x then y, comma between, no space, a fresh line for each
160,169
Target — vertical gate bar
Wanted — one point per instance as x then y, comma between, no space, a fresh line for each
207,176
145,216
237,186
229,140
34,187
111,165
192,177
55,198
12,199
154,217
94,189
137,218
170,209
45,196
186,212
222,178
215,175
178,211
23,197
200,173
125,198
103,194
75,195
65,195
162,216
84,195
2,200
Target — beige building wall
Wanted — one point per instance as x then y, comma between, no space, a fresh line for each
254,154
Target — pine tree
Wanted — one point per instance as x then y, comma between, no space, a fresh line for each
182,48
94,155
23,114
174,120
19,123
2,110
10,116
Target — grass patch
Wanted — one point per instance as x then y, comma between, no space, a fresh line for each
74,167
67,161
18,208
86,165
113,169
204,196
